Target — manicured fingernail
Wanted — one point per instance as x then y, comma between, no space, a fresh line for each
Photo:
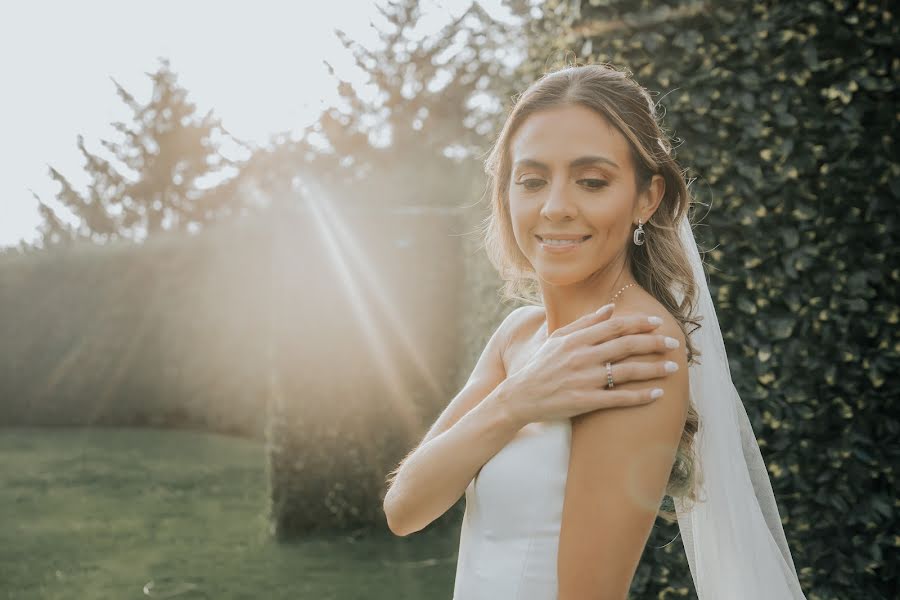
605,309
671,342
671,366
656,393
655,320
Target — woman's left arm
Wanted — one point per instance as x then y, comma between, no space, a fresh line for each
619,466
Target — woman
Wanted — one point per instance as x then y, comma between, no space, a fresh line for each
589,208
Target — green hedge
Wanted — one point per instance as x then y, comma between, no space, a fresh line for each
162,334
366,351
787,117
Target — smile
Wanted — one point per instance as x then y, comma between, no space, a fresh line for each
562,243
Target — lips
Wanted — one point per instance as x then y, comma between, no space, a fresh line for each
561,236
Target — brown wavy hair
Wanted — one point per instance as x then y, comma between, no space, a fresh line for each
657,264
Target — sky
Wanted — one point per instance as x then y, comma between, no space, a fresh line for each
257,65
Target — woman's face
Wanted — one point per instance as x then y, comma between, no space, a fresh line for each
572,178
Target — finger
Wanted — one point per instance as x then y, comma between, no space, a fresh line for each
637,344
597,333
587,320
635,371
616,399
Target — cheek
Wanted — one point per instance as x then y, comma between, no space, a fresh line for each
520,218
607,219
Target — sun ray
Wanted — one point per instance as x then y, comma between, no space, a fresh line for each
400,397
374,290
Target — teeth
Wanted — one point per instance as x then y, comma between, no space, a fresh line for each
553,242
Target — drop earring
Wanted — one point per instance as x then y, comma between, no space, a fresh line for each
639,234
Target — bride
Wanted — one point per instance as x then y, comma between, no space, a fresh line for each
576,422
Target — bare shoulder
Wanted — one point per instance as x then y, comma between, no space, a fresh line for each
489,371
523,321
675,386
521,326
643,303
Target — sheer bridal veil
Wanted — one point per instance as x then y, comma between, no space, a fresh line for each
733,537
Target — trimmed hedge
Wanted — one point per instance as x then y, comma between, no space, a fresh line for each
165,334
366,349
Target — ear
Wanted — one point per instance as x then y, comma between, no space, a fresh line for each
650,199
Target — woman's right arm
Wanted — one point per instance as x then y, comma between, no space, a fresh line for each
565,377
473,428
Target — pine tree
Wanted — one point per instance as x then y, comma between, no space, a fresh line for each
166,149
437,102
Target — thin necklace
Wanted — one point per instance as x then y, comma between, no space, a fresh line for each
613,298
620,291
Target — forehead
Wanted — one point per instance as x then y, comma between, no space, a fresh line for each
555,136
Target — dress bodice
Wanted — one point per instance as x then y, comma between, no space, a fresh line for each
510,530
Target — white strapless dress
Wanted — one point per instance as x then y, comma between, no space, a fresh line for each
510,530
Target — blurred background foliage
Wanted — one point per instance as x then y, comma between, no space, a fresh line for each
330,295
154,182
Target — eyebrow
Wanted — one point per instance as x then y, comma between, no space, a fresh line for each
578,162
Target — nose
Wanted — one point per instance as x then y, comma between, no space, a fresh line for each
557,206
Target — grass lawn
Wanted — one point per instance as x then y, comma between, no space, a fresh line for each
140,513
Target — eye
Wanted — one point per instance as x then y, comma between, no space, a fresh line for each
533,185
525,183
595,184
